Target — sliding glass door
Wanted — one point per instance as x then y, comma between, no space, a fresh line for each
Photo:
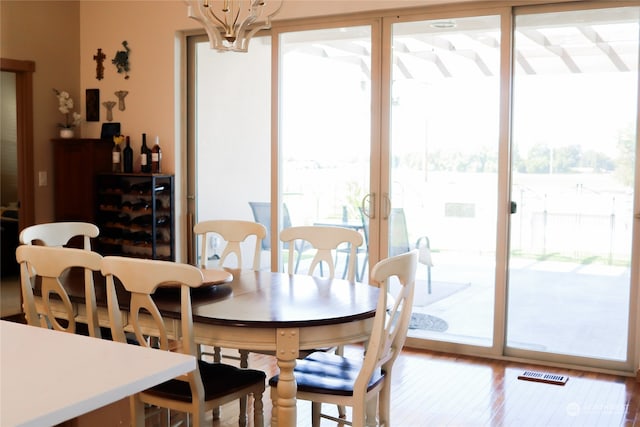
501,143
325,123
229,149
444,139
574,138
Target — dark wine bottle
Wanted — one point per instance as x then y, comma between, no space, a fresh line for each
156,156
127,157
145,156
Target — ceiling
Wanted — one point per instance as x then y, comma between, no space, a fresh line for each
591,41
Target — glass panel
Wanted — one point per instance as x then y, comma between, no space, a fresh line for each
444,151
233,137
574,122
325,113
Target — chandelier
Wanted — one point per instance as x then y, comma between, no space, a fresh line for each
230,24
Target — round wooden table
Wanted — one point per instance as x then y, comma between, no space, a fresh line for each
283,313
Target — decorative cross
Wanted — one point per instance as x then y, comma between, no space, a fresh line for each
99,57
121,94
109,106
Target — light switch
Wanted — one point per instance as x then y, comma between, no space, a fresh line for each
42,178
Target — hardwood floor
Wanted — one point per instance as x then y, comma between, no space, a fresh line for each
10,303
437,389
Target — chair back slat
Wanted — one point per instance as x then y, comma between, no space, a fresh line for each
46,265
59,233
141,278
234,232
325,240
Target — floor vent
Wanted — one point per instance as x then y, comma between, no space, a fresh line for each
544,377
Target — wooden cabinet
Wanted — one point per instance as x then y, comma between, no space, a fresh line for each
76,164
135,213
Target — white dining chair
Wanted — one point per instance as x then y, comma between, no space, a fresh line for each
233,232
363,383
59,233
325,240
46,265
210,385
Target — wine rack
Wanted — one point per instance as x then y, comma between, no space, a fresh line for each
136,215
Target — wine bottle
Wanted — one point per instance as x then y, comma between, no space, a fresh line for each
156,156
116,158
127,157
145,156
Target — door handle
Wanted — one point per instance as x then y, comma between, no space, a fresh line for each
513,208
367,202
387,207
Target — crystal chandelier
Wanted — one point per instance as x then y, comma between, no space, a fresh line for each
230,24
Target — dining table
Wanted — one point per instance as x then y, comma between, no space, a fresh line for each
261,311
48,377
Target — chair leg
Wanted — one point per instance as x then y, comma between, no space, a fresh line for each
384,408
342,412
242,417
364,266
137,411
346,265
315,414
244,358
258,409
298,261
198,417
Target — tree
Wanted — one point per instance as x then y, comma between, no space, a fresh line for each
565,159
538,159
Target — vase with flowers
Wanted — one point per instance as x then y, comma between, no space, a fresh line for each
71,118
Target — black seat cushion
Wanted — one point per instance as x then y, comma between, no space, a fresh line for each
328,373
219,379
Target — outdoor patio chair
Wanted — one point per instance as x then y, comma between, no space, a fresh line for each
399,241
262,214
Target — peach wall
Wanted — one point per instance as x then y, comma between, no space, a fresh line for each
150,30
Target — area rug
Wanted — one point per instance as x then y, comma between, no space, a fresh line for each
426,322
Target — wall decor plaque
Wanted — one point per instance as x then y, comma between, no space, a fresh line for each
92,105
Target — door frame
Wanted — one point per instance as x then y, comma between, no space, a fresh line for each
24,114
